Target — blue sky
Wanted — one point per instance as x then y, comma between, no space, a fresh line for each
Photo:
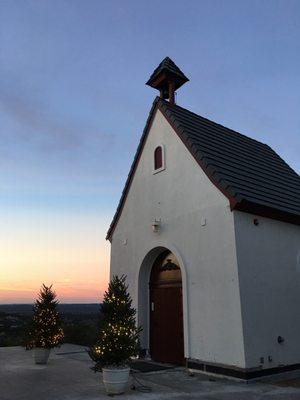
73,103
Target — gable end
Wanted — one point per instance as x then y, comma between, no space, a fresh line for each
249,173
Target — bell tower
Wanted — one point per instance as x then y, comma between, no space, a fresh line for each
167,78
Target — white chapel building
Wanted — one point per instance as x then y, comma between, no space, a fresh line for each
208,233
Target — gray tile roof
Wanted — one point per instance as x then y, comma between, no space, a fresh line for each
249,173
245,169
167,65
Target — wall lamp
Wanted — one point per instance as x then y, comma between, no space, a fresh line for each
156,225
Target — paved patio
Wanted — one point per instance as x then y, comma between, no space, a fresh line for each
68,377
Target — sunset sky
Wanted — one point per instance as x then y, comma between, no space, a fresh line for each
73,103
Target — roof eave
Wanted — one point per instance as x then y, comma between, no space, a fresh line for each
267,212
155,80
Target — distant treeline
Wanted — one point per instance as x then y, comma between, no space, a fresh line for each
80,323
27,309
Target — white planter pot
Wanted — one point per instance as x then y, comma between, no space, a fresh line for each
41,355
115,380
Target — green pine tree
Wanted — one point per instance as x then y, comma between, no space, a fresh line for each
118,338
45,330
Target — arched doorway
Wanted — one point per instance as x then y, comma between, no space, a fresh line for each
166,312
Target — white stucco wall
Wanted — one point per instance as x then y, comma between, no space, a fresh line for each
183,197
269,274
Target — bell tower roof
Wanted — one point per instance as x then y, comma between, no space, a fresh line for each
167,78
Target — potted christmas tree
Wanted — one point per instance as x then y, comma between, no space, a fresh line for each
45,331
118,339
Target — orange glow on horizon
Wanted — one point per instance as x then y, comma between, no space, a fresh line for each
67,291
69,252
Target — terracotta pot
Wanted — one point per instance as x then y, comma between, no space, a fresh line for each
41,355
115,380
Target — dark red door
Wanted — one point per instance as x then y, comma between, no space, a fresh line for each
166,316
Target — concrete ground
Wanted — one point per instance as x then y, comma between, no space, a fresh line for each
68,377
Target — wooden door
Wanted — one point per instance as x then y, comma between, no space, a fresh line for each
166,315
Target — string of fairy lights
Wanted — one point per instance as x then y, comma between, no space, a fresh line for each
46,330
118,334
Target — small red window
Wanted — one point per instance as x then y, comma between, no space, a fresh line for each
158,162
